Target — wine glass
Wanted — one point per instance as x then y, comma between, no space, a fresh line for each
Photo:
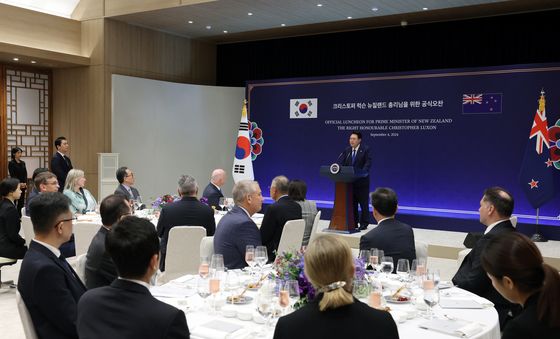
364,256
203,289
214,288
360,289
217,268
403,269
387,265
431,294
138,202
380,255
374,258
230,203
222,203
232,285
289,294
261,257
375,293
250,257
204,267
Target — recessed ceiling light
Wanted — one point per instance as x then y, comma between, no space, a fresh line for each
225,32
190,21
349,17
283,25
208,27
15,59
375,9
319,5
249,13
425,8
33,61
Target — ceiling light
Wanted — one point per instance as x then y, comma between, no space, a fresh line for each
225,32
249,13
319,5
425,8
15,59
283,25
33,61
375,9
208,27
190,21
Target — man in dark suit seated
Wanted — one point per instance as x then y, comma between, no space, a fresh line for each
126,309
48,285
188,211
496,207
125,177
395,238
276,215
236,229
100,269
44,182
213,191
60,162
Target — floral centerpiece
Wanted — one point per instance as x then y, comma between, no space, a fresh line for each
165,199
290,266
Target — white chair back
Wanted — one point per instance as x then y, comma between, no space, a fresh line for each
28,232
292,236
207,247
25,317
421,249
83,234
81,267
183,251
315,230
23,211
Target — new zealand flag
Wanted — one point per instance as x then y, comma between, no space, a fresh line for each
487,103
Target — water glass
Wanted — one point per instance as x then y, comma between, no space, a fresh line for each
203,288
403,269
217,268
289,292
204,267
261,256
360,289
387,265
222,202
364,256
380,255
250,257
374,258
431,297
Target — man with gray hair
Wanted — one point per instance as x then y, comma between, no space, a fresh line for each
186,212
236,229
276,215
213,191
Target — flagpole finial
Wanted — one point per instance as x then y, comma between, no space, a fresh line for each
542,101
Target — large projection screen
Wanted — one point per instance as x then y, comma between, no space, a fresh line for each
162,130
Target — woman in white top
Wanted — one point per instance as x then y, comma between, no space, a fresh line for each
81,200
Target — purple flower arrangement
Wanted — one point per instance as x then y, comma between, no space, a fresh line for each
159,202
204,200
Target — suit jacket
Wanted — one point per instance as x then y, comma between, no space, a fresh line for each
100,269
362,162
472,277
395,238
127,310
12,245
213,194
60,168
275,217
51,292
234,232
122,190
186,212
527,325
355,321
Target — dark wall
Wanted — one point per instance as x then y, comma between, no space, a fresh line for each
502,40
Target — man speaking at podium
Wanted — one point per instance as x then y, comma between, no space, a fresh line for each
358,156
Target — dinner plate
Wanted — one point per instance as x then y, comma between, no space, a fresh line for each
392,301
244,300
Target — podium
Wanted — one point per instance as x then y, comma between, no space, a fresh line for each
342,219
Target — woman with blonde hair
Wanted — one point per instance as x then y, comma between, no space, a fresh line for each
517,271
81,200
334,313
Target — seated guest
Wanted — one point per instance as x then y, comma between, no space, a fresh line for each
126,183
126,309
334,313
188,211
47,283
297,190
100,269
213,191
276,215
517,271
395,238
236,229
11,244
496,207
44,183
81,200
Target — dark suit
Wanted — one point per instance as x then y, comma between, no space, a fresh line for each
355,321
527,325
472,277
275,217
51,292
213,194
60,166
100,269
11,244
360,187
123,191
127,310
234,232
395,238
186,212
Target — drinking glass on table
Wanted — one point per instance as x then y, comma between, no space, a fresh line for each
289,294
403,269
387,265
204,267
380,255
374,258
364,256
250,257
203,288
214,287
222,202
360,289
431,294
261,257
232,285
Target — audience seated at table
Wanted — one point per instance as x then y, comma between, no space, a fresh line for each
297,190
12,245
126,309
335,313
283,209
496,207
517,271
100,269
213,191
43,181
395,238
236,229
188,211
125,177
81,200
48,285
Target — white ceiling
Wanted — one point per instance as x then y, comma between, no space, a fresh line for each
63,8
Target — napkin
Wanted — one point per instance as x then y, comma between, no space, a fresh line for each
469,330
219,330
455,327
169,291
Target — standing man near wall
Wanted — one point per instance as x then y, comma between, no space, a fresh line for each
358,156
60,162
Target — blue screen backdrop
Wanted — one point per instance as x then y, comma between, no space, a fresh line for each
438,138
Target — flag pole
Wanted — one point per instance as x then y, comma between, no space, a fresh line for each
537,237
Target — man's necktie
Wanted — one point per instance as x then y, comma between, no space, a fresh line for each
353,156
67,267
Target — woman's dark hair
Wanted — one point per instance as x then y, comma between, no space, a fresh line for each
297,190
516,256
8,186
14,151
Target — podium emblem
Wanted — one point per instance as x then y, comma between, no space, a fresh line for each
335,168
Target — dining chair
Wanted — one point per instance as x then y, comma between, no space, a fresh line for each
207,247
28,327
317,228
292,236
28,232
83,234
183,251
